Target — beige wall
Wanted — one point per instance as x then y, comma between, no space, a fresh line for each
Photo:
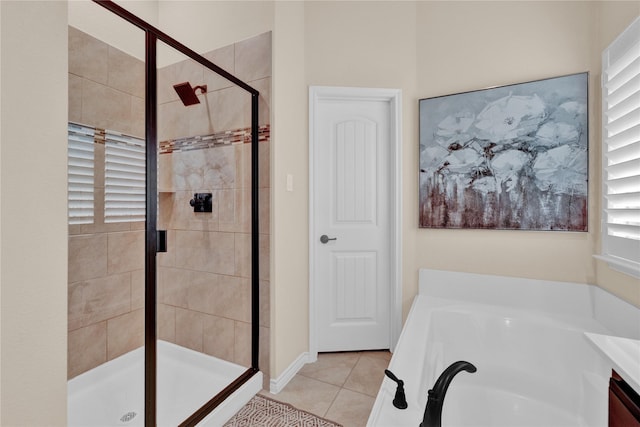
471,45
33,219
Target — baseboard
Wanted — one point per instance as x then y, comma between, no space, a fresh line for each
276,385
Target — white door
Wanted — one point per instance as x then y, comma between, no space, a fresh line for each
351,208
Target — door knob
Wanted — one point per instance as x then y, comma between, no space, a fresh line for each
324,238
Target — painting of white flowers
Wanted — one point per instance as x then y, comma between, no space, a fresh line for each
511,157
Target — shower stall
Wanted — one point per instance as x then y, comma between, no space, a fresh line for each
168,226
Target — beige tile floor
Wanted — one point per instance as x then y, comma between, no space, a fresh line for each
339,386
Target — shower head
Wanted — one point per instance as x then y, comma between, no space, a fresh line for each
187,93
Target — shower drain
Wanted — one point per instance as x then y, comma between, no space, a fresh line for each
128,417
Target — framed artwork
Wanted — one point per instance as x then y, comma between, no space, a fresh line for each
511,157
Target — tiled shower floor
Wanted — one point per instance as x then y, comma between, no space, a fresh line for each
339,386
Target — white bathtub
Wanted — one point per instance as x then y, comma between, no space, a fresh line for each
113,393
535,367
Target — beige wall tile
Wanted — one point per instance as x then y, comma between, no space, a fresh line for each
243,254
265,263
75,229
219,337
201,290
170,282
173,121
126,73
265,303
242,344
188,71
264,356
220,167
137,117
205,251
105,107
166,93
165,172
264,100
223,58
188,170
125,333
253,57
137,225
87,257
229,109
189,327
232,298
75,98
264,210
235,210
98,179
243,165
201,117
264,166
137,289
166,327
126,251
100,299
87,348
87,56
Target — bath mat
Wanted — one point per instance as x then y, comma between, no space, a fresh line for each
262,411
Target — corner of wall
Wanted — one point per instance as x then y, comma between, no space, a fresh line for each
290,271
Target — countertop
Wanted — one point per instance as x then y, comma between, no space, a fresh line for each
624,354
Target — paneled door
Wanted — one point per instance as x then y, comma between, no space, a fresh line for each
351,223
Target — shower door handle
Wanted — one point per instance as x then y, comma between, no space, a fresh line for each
325,239
161,245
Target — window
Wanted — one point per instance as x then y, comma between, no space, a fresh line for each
621,152
124,193
80,166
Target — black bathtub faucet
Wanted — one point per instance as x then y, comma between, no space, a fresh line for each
433,410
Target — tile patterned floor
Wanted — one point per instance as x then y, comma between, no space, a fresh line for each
339,386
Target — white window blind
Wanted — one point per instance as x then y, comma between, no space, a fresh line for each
124,191
80,176
621,151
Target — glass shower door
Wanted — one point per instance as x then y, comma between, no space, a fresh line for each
204,204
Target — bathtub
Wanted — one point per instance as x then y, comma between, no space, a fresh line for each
112,394
535,366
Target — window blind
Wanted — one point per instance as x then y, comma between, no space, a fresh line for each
124,178
80,176
621,151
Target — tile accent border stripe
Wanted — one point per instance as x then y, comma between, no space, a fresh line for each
229,137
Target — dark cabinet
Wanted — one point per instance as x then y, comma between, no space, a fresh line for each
624,403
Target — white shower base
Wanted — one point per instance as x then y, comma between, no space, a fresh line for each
113,393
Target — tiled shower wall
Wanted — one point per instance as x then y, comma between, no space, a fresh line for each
204,278
106,261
